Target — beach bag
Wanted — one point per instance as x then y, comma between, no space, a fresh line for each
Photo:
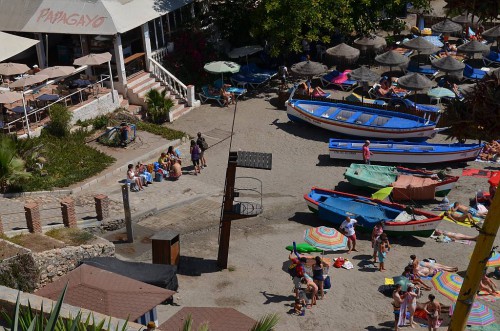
296,270
339,262
327,283
158,176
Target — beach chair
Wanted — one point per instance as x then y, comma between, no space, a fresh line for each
205,95
425,70
473,73
354,97
420,107
339,79
235,90
493,58
254,80
375,93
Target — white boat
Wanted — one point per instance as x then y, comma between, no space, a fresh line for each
404,152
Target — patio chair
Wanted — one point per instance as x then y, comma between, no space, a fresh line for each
493,58
205,95
473,73
339,79
254,80
425,70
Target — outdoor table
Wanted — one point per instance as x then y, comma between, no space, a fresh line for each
48,97
81,83
440,92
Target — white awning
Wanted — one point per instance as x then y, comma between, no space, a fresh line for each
11,45
104,17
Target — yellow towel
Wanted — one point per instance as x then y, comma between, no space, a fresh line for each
389,281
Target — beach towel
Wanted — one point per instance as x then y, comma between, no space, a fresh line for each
466,224
404,314
389,281
477,173
489,297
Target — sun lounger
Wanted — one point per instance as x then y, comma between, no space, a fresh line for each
339,79
252,68
493,58
231,89
353,97
254,80
424,70
205,95
374,92
473,73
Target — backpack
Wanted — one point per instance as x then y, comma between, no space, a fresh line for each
203,144
339,262
296,270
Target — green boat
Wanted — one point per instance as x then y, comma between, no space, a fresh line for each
408,184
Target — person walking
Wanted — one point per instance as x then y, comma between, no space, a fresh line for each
378,229
366,152
348,228
203,145
194,150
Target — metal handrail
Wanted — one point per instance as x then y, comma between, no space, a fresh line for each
256,190
167,78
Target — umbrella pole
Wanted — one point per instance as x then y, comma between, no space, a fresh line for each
112,83
26,116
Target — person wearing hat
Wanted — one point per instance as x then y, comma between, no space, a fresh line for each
151,326
366,152
36,69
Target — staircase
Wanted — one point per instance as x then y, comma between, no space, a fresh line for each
139,86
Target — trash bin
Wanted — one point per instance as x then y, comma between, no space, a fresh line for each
166,248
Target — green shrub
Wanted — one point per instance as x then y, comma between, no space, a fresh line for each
60,118
100,122
159,105
159,130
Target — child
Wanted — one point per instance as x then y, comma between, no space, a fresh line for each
384,247
298,307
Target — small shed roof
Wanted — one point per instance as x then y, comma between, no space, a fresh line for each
220,319
106,292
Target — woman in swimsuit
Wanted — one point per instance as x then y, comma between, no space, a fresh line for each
411,302
454,235
433,310
318,278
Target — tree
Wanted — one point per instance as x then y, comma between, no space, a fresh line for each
11,166
159,105
478,115
485,9
60,118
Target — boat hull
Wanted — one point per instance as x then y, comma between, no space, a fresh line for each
420,133
419,228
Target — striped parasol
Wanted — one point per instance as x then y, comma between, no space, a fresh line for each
479,314
325,238
494,260
448,284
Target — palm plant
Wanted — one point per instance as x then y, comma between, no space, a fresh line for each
11,167
159,105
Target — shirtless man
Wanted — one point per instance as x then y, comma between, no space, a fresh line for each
464,209
424,269
176,170
396,304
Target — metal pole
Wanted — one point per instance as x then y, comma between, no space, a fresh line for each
26,116
477,267
111,80
128,215
46,50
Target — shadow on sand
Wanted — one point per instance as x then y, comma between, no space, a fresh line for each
276,298
305,131
306,218
384,326
196,266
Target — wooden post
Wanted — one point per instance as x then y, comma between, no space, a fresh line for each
128,215
477,267
225,226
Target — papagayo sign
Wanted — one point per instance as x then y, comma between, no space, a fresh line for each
47,15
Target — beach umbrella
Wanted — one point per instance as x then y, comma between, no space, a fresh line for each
479,314
244,51
403,281
363,74
308,68
29,80
446,26
94,59
473,46
325,238
448,64
10,97
221,67
9,69
448,284
342,54
57,71
494,260
383,193
371,42
441,92
494,32
414,82
421,45
463,19
392,59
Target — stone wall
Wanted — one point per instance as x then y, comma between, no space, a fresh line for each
101,106
58,262
31,270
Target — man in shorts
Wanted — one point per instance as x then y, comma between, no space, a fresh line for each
201,144
348,228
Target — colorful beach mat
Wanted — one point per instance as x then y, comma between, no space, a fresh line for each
477,173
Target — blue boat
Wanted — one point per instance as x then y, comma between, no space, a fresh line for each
334,206
361,121
404,152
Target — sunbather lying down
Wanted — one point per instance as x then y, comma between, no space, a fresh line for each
460,218
454,235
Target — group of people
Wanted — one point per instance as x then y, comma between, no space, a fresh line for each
139,176
406,301
170,163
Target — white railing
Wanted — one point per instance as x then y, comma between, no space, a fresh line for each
165,77
159,55
37,112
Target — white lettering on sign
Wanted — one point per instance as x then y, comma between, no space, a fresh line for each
48,15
